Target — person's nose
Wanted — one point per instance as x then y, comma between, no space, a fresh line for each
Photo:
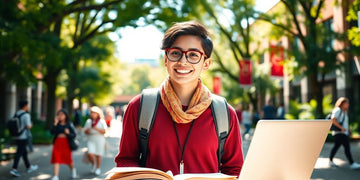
183,59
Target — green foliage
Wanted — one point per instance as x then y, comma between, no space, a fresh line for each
355,120
354,36
300,110
137,79
327,104
39,134
354,32
307,110
353,9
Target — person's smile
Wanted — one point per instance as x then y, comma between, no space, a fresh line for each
183,71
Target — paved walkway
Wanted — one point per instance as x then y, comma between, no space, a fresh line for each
42,153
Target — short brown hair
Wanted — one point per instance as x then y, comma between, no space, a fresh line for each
188,28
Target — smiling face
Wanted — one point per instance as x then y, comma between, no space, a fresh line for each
183,73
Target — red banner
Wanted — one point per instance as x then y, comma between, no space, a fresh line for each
245,73
216,85
277,60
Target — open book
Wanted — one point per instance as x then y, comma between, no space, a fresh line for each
130,173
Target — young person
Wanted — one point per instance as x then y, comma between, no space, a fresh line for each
340,119
183,133
246,119
269,111
61,153
95,128
22,140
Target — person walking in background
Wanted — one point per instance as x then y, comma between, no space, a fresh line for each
183,136
238,111
255,117
61,152
22,140
118,113
268,111
246,119
77,118
280,111
95,128
109,115
340,119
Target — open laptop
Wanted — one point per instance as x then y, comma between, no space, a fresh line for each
284,149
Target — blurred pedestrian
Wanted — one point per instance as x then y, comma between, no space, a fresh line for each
61,152
280,111
238,111
255,117
22,140
268,111
77,118
95,128
109,115
118,113
340,119
246,119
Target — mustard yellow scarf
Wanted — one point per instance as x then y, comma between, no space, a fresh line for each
199,102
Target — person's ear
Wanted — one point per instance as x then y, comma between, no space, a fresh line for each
165,62
206,64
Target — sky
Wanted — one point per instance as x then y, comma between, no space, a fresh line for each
144,42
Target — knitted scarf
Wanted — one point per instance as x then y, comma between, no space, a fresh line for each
199,102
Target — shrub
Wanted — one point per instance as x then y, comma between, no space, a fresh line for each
40,134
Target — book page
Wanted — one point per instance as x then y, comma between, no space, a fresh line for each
130,173
203,176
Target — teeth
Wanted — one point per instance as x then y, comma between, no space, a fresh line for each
183,71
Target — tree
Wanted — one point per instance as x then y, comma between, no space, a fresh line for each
314,53
354,32
45,24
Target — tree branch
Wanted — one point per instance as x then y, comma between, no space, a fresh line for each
82,39
223,68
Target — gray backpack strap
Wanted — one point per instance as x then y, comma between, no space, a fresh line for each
147,112
221,118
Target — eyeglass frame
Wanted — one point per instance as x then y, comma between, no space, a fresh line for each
184,52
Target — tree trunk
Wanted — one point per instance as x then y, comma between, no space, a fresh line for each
2,107
50,82
317,94
70,106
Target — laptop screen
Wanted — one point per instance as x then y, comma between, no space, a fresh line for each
284,149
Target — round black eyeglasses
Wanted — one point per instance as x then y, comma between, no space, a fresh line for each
175,54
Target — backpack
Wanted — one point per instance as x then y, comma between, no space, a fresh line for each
14,125
328,116
147,112
333,127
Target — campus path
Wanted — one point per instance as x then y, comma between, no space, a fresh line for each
42,153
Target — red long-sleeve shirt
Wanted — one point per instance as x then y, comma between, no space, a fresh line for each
164,152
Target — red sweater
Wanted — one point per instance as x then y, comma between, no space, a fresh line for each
164,152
